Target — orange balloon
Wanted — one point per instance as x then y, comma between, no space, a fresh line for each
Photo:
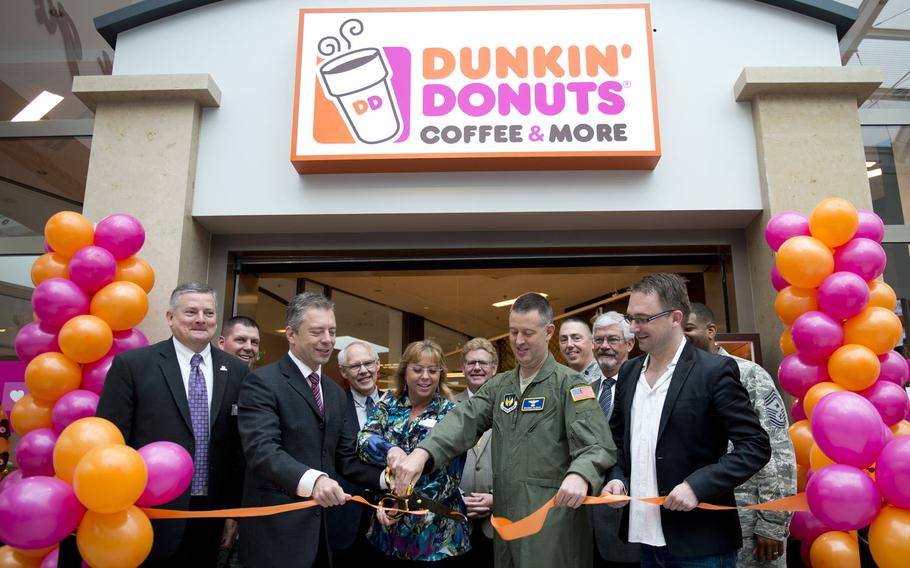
116,540
78,439
30,413
68,231
882,295
901,429
792,302
877,328
50,265
854,367
85,339
802,472
889,537
110,478
122,305
801,435
816,393
52,375
787,347
834,549
818,459
38,553
834,221
805,261
13,558
138,271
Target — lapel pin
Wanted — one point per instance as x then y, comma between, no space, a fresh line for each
223,368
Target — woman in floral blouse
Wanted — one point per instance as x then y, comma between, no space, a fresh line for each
403,417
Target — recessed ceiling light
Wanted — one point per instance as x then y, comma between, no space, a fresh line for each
39,107
505,303
870,164
874,173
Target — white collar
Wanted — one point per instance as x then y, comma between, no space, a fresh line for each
362,399
304,368
186,353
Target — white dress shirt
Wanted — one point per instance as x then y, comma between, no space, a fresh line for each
647,406
360,404
184,360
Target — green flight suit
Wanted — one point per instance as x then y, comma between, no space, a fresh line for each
535,445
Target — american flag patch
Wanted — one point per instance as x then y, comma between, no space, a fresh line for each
582,393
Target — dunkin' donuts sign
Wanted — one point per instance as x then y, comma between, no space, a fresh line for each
481,88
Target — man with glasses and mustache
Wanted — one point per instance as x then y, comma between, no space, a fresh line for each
479,362
675,409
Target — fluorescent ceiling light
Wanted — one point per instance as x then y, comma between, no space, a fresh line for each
505,303
870,164
39,107
874,173
343,341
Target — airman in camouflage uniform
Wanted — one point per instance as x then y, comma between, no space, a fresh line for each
764,532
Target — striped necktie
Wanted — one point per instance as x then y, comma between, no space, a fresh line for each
314,385
606,396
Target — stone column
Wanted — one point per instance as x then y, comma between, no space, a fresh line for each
809,146
143,162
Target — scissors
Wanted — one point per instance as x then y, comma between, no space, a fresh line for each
416,502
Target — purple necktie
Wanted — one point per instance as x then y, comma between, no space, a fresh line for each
314,385
199,415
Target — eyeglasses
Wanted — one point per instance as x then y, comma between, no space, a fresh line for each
356,366
482,364
641,320
432,371
613,340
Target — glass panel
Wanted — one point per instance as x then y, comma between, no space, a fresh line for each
888,164
15,313
451,342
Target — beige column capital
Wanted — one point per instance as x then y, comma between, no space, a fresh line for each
143,162
809,146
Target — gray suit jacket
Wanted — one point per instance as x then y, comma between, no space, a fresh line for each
478,471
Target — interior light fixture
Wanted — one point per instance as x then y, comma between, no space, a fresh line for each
39,107
870,164
874,173
505,303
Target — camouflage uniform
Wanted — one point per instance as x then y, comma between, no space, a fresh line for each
774,481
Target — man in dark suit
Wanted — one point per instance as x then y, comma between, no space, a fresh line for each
676,408
297,438
185,391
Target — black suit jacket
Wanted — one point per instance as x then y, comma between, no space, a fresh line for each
706,405
144,396
284,435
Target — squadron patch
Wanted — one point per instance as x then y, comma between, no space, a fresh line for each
582,393
777,416
533,404
509,403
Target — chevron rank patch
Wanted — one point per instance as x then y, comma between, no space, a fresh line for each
582,393
777,415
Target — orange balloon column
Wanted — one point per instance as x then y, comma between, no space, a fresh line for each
854,367
889,538
12,558
78,439
50,265
787,347
116,540
51,375
110,478
834,221
801,435
792,302
85,339
121,304
816,393
30,413
805,261
67,231
818,459
835,549
137,271
882,295
877,328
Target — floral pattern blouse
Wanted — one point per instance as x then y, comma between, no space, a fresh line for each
428,537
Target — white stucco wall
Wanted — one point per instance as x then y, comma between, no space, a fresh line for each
244,174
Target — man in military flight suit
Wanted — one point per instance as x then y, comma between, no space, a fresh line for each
764,532
549,436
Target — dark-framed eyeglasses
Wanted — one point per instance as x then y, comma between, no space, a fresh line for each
641,319
478,363
612,341
356,366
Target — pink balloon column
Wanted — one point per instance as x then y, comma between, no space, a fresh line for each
37,510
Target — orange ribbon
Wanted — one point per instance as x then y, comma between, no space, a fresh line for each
508,530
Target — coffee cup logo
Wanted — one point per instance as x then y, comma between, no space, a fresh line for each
358,82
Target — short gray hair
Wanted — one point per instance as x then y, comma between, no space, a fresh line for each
300,303
343,354
190,288
532,301
613,318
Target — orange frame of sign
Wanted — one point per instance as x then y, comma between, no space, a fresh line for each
476,161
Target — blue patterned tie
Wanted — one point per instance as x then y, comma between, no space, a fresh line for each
606,396
369,405
199,415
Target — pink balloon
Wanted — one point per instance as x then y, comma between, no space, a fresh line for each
847,428
34,339
128,339
777,280
170,471
92,268
892,472
35,453
797,412
9,479
806,527
783,226
93,374
52,559
57,300
894,368
121,234
887,436
817,335
843,295
889,399
36,512
843,497
864,257
870,226
798,373
72,406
